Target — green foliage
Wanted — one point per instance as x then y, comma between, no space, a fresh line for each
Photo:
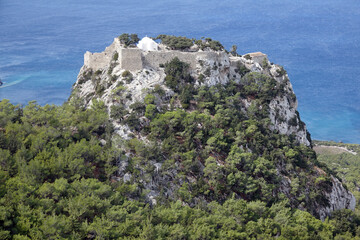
177,74
127,75
233,50
183,43
60,178
159,90
210,44
9,113
260,86
241,69
150,111
129,40
265,63
55,177
247,56
281,71
149,99
176,43
115,56
346,165
118,111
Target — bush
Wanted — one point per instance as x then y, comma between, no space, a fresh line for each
149,99
293,121
281,72
150,111
116,56
177,74
127,75
128,40
117,111
159,90
118,90
201,78
241,69
247,56
99,89
210,44
176,43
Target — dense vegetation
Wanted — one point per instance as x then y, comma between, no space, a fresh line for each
57,182
61,168
184,43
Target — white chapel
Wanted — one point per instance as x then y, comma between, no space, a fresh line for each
147,44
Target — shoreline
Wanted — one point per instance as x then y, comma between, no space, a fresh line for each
332,149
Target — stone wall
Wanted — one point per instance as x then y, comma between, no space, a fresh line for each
130,59
96,60
134,59
155,58
101,60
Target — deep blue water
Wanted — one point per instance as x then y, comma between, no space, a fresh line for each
318,42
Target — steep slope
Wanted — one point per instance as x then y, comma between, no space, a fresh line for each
200,124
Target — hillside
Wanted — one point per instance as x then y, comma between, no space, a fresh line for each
343,158
186,141
212,123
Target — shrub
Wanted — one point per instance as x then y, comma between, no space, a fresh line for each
207,72
150,111
138,108
116,56
117,111
118,90
177,72
233,50
265,63
241,69
129,40
247,56
85,76
149,99
293,121
176,43
99,89
281,72
201,78
210,44
159,90
127,75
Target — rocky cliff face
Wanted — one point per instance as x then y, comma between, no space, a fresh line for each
121,90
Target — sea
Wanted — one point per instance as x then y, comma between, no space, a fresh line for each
42,44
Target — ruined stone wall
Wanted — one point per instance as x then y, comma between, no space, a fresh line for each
101,60
155,58
134,59
130,59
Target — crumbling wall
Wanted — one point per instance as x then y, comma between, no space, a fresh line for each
155,58
100,60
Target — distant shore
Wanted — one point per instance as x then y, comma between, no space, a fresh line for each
323,149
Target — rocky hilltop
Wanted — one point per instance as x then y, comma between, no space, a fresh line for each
198,124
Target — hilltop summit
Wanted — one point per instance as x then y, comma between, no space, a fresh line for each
200,124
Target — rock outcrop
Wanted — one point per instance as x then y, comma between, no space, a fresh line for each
124,76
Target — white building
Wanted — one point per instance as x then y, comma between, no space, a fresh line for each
147,44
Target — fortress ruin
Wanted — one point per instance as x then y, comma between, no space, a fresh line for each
135,59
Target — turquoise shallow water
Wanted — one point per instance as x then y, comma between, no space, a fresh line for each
42,45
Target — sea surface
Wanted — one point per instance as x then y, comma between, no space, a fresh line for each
318,42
